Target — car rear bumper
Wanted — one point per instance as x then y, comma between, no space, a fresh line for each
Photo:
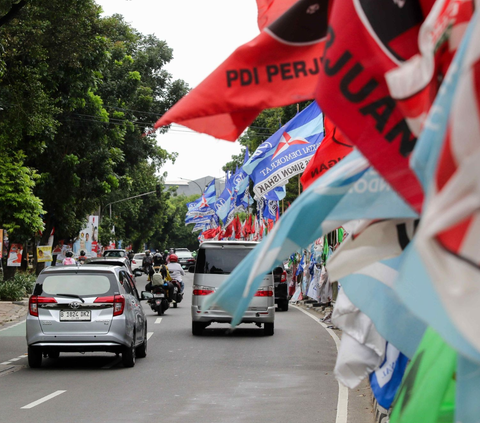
259,315
78,346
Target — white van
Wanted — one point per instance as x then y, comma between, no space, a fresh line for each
215,261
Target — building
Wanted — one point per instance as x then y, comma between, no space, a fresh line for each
189,187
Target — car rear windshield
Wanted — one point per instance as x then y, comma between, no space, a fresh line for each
83,285
220,261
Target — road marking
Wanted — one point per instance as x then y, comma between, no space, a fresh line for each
6,362
16,359
158,321
342,404
12,326
149,335
41,400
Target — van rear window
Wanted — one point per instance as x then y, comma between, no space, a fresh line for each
219,261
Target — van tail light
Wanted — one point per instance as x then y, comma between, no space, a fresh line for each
35,300
266,291
133,261
284,277
203,290
118,302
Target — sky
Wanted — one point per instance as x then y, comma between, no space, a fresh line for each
202,35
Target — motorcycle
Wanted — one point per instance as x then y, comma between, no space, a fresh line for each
177,294
159,302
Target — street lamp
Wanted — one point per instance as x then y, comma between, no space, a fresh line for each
199,187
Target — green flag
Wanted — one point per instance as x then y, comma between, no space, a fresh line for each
427,392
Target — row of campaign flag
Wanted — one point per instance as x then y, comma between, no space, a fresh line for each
401,81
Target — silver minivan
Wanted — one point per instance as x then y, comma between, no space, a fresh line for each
85,308
215,261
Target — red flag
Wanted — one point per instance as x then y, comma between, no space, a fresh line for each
211,233
366,40
278,67
238,227
270,10
333,148
227,233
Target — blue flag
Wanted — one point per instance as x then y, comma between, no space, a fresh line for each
287,152
223,205
386,380
301,266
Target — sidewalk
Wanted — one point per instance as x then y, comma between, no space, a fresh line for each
12,311
361,408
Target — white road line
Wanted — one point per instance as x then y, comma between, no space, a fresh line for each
158,321
48,397
16,324
6,362
16,359
342,404
149,335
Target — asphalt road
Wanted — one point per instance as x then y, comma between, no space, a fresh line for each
221,377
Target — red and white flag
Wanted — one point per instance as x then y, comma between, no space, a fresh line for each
279,67
366,39
448,237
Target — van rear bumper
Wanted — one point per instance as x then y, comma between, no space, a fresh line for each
260,315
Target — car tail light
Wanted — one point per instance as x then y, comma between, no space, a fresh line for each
203,290
284,277
35,300
266,291
118,302
191,260
133,261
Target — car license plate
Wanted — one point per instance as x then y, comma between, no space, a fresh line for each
73,315
158,295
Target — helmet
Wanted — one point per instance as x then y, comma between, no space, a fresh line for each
147,252
166,251
69,254
82,253
173,258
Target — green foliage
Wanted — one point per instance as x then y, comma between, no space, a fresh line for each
17,288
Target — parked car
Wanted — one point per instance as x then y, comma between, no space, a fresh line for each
114,261
215,261
85,308
281,287
137,261
185,259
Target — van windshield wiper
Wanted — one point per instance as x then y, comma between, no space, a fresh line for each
71,296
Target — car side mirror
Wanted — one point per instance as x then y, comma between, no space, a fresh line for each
191,269
146,295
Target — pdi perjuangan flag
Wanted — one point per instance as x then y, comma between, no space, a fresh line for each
325,206
278,67
366,40
270,10
287,152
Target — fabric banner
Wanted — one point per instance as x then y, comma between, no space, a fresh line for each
287,152
44,253
15,255
278,67
386,380
427,392
366,40
334,147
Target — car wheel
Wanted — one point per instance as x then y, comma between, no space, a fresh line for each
129,356
268,329
54,354
197,328
141,351
34,357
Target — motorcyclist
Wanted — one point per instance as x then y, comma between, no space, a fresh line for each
68,260
158,259
82,258
147,264
176,271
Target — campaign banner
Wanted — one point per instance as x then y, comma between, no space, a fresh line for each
44,253
287,152
15,255
87,236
